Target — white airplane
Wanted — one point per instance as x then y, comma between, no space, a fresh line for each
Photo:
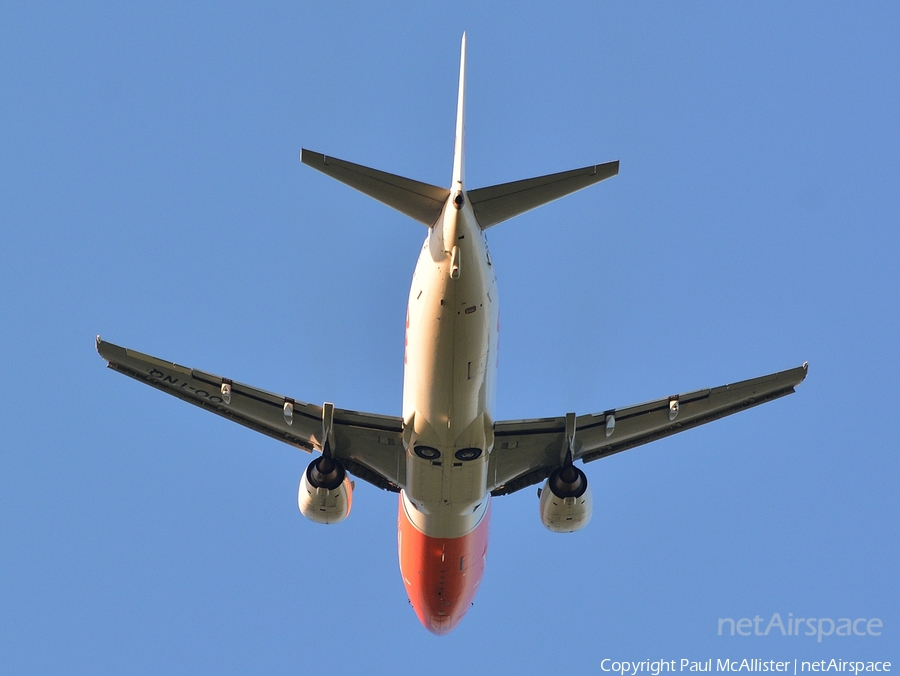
447,456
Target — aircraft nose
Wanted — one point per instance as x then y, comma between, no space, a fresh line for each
441,618
440,625
441,574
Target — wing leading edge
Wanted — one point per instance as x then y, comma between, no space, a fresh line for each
526,451
369,446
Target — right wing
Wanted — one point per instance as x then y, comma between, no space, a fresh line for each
369,446
497,203
526,451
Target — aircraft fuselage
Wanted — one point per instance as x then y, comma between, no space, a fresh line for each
448,392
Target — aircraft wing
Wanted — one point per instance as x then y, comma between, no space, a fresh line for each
369,446
526,451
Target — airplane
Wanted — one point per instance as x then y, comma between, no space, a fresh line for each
445,455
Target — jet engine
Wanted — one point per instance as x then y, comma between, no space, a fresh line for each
326,492
566,502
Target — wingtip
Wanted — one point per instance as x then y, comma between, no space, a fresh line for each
102,347
312,158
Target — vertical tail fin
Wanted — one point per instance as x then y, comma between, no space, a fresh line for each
459,145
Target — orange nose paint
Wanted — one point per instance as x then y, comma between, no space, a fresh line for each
441,575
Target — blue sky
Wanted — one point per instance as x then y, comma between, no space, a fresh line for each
150,191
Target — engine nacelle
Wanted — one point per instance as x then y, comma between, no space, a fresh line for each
566,502
326,492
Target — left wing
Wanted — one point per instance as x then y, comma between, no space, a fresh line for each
526,451
368,445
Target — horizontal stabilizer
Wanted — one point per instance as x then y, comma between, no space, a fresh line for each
499,202
420,201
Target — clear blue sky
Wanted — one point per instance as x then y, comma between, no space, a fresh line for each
150,191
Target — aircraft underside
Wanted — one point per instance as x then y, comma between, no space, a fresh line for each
445,455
